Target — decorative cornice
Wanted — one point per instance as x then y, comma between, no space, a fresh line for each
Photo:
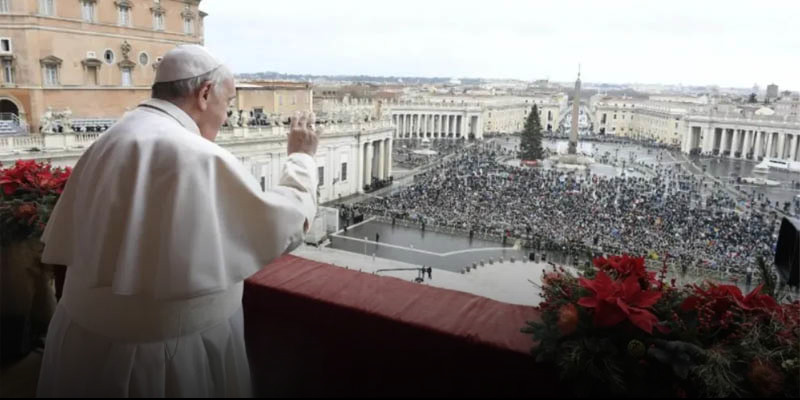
92,62
124,3
126,64
158,9
51,60
187,13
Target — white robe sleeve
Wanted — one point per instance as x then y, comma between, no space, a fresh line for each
299,178
221,228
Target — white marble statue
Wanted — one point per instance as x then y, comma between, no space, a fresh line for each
47,122
233,118
66,120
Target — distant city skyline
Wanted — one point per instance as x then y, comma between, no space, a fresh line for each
724,43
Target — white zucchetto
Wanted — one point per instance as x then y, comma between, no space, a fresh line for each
184,62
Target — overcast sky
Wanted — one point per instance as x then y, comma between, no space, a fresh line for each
728,43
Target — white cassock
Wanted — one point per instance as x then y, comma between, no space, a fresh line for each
158,228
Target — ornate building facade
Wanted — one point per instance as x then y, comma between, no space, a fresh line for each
350,154
93,59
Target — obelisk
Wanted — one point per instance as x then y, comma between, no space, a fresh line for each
576,104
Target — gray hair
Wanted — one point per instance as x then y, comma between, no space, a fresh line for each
177,90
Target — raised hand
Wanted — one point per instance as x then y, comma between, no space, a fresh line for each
303,137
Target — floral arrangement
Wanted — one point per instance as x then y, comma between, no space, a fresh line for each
617,329
28,192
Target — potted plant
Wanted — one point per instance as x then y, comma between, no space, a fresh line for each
618,330
28,192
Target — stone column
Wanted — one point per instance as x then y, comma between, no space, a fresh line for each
781,146
723,144
686,140
361,162
758,146
769,145
407,128
428,125
387,167
735,143
746,143
748,140
380,157
754,137
368,165
793,148
708,139
401,123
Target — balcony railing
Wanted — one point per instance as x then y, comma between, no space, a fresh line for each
313,329
79,140
11,124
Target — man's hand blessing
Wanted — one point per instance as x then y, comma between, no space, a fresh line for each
303,137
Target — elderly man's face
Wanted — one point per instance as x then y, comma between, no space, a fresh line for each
216,109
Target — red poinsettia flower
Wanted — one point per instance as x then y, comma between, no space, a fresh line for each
757,301
29,190
625,266
9,187
614,302
723,297
30,176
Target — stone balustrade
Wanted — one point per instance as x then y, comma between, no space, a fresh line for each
78,140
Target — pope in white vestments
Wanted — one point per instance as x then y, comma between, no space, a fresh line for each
159,227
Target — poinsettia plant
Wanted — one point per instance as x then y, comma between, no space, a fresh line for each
617,329
28,192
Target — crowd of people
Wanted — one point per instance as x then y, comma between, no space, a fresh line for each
97,128
405,157
692,220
